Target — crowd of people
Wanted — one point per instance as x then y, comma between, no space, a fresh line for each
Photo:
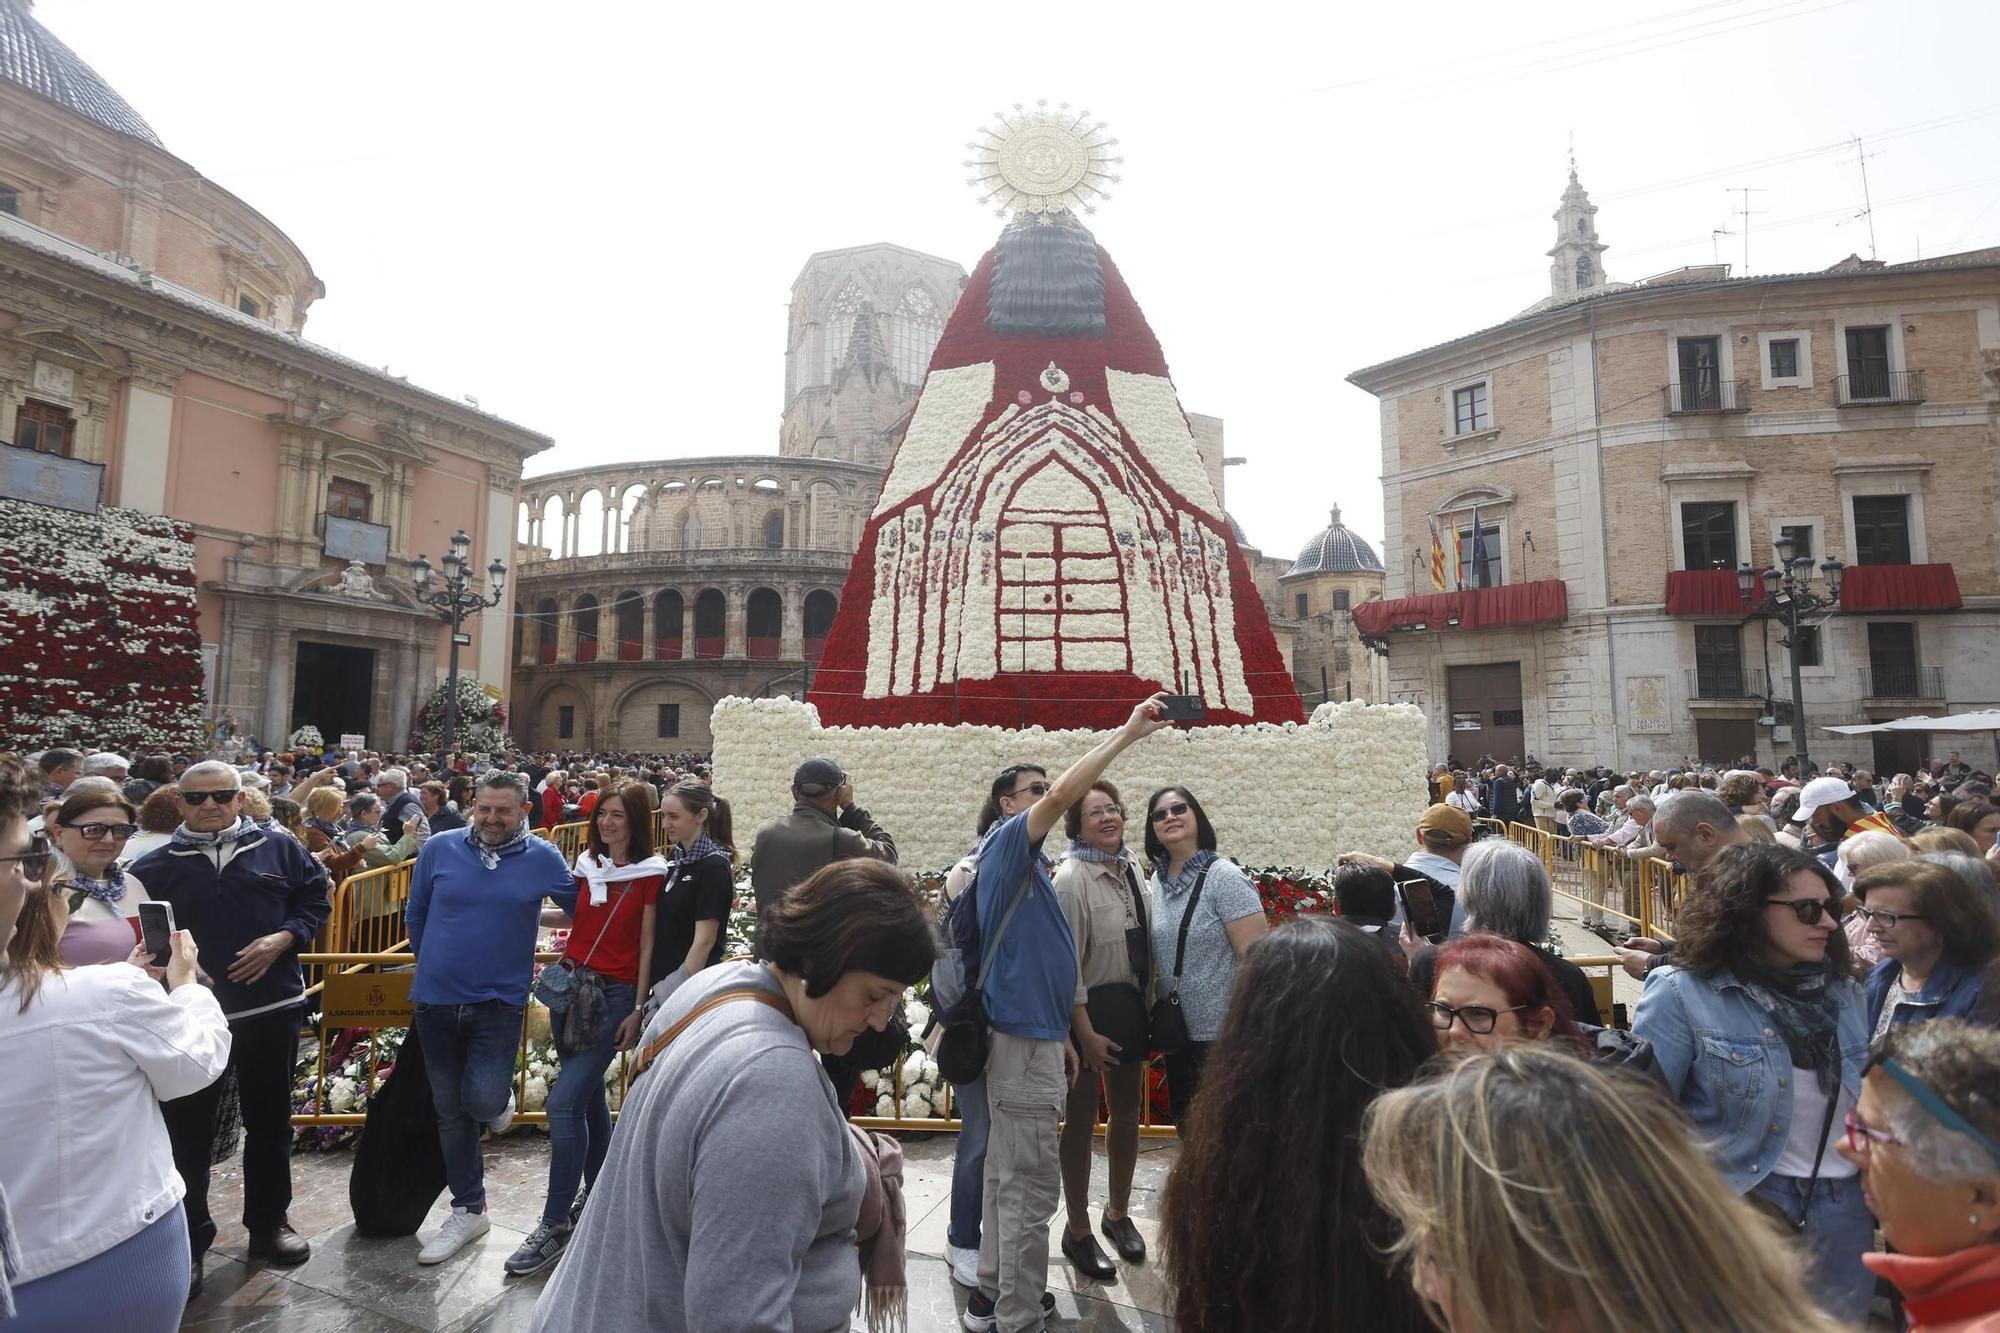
1407,1114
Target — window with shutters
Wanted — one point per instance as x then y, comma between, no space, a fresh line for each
45,428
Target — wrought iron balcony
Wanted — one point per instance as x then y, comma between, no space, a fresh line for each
1703,396
1902,681
1727,683
1881,388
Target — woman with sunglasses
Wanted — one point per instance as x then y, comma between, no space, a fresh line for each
1926,1138
90,829
1761,1034
1937,935
1211,904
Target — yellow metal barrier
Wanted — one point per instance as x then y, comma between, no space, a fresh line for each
1644,892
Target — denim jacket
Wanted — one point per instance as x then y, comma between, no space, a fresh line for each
1721,1055
1951,992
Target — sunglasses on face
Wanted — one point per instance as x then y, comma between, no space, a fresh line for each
1166,812
1809,911
99,832
33,863
1885,919
1034,789
1478,1018
219,797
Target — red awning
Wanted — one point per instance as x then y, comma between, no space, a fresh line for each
1704,592
1475,608
1899,588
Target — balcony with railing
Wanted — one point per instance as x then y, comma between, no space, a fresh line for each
1704,397
1881,388
1725,683
1903,681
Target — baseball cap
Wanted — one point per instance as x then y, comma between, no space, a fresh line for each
1819,792
818,771
1447,819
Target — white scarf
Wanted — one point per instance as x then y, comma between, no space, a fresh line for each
602,874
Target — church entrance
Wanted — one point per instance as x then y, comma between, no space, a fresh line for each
333,688
1062,601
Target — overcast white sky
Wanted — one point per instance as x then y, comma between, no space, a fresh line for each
589,215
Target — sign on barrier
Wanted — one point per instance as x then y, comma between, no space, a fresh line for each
368,1000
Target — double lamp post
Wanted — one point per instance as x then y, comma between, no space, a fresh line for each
457,598
1790,594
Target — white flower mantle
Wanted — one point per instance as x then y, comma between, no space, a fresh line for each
1350,780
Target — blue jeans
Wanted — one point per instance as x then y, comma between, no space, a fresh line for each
469,1053
968,1167
1839,1230
579,1113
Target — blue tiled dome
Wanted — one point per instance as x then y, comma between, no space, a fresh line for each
1336,551
31,56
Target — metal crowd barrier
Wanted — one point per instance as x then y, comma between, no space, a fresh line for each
1645,892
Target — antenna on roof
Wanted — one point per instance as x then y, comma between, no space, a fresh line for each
1867,207
1715,242
1745,213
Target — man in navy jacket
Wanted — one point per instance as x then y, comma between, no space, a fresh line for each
252,899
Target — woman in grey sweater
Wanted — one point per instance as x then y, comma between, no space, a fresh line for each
730,1196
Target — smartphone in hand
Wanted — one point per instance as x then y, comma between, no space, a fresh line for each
1184,708
1419,908
156,928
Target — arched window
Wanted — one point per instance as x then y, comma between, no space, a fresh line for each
774,530
668,610
765,617
820,608
691,533
1583,271
546,626
918,325
711,612
585,613
839,324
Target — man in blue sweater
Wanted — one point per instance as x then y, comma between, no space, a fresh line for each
474,915
1028,997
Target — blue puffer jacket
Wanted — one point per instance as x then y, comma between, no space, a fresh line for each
1951,992
270,884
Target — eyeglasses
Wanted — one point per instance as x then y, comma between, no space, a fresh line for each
219,797
1808,910
1166,812
1106,813
1887,920
1034,789
1861,1136
1478,1018
99,832
33,863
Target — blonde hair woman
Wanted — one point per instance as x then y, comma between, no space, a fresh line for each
1478,1166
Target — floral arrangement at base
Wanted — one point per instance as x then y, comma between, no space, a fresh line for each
1278,794
97,630
482,720
307,738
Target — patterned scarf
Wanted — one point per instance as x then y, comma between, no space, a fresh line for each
208,842
1197,863
1079,850
703,845
326,826
107,890
490,853
1804,1010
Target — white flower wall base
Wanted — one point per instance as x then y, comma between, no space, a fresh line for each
1352,779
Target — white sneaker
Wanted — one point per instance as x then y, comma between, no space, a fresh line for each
500,1123
964,1265
459,1230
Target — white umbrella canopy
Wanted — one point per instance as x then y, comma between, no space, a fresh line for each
1986,719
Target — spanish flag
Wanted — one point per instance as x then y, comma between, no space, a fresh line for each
1437,556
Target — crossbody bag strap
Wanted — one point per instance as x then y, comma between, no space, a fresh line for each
1180,949
609,916
1825,1133
1138,897
651,1050
993,949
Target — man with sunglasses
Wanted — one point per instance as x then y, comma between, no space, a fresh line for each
254,899
1027,997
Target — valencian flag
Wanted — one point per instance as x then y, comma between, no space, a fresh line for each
1457,551
1437,557
1479,554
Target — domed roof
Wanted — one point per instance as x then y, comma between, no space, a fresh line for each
1336,551
1236,530
31,56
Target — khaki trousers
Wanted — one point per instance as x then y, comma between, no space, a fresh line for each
1025,1094
1546,823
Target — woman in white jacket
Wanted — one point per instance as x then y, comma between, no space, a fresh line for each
98,1239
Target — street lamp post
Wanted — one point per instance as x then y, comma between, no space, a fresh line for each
456,599
1790,595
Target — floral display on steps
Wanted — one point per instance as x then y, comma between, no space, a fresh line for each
482,720
98,637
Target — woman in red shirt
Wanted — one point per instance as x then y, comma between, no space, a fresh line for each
618,882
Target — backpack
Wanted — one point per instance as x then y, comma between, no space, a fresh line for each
958,952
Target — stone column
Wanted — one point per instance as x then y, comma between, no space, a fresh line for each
793,645
687,625
566,630
399,510
735,621
293,499
648,639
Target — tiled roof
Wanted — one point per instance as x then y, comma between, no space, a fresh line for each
1336,551
31,56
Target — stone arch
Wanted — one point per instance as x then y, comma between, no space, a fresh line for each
825,516
678,705
546,717
669,612
590,523
774,529
711,622
584,618
764,624
548,630
524,523
820,609
628,620
554,529
630,499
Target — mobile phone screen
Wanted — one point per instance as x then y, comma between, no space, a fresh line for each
156,926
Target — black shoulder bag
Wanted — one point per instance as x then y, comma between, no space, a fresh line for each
1118,1010
1169,1021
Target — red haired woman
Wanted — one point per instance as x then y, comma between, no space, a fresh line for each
1489,990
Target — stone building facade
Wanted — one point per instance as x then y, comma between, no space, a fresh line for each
1336,572
152,355
1627,447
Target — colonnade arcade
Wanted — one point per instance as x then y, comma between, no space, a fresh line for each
739,620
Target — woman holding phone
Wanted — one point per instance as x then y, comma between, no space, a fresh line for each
1205,914
88,1173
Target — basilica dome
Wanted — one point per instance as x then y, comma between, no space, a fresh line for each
1336,550
31,56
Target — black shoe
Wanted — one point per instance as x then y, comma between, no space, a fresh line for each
979,1316
282,1246
576,1209
1088,1257
1125,1239
194,1279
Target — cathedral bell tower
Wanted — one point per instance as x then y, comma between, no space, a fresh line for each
1576,265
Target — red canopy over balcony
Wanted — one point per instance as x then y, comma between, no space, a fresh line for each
1540,603
1899,588
1704,592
